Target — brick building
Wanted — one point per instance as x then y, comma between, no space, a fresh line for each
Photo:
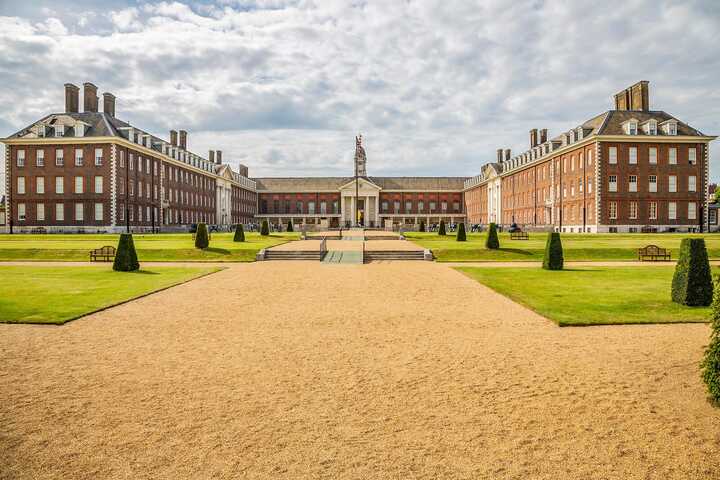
630,169
90,171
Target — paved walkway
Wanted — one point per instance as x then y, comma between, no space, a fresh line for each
387,370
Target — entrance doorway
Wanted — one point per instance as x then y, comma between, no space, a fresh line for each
361,212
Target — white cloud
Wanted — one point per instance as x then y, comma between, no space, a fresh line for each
435,86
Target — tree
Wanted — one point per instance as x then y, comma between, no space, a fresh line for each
126,257
716,195
202,240
692,283
422,225
492,242
290,226
553,259
710,365
461,233
264,228
239,233
441,230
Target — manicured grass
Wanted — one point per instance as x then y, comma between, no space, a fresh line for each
56,295
590,247
592,295
166,247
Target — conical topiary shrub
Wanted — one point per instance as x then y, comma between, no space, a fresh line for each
553,259
692,282
125,257
264,228
441,230
201,236
492,242
461,233
422,225
239,233
710,365
290,226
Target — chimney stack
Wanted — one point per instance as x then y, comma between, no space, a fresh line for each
499,155
243,170
543,135
635,97
90,98
109,103
533,138
183,139
507,154
211,156
219,157
72,96
173,138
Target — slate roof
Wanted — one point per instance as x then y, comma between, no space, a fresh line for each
612,125
314,184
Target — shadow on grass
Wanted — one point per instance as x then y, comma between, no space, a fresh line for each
143,272
221,251
518,251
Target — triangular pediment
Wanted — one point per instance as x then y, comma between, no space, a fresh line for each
363,184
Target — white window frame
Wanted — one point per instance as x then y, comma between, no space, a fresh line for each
672,183
692,211
59,185
672,156
98,157
79,212
632,183
672,210
59,157
632,156
59,212
692,156
40,212
612,213
20,186
79,185
612,155
40,158
652,210
692,183
652,183
612,183
21,212
633,210
99,212
78,157
40,185
20,160
652,155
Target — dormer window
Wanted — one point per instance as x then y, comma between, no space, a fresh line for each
41,130
59,130
579,133
631,128
650,127
670,127
79,130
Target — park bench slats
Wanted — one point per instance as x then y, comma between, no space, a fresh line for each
103,254
519,236
653,253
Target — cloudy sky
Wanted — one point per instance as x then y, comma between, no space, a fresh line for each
435,87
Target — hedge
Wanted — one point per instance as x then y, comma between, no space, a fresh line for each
126,257
264,228
461,233
553,259
290,226
239,233
492,242
692,283
710,366
441,230
202,241
422,225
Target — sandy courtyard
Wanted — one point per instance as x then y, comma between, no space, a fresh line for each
388,370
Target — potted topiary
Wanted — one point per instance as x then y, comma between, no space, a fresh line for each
290,226
125,257
710,364
492,242
264,228
461,233
441,230
239,233
422,226
692,283
553,259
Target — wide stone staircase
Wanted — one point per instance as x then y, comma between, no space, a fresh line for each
271,254
375,255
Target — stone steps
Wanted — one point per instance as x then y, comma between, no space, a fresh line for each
293,255
375,255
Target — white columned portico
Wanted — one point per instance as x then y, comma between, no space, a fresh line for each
369,193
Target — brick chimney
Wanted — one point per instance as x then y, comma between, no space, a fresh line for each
109,103
543,135
90,98
243,170
635,97
219,156
508,154
72,98
173,138
533,138
211,156
183,139
499,155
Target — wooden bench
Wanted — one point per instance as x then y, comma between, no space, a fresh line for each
519,235
103,254
653,253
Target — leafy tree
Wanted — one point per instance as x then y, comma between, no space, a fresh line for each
553,259
239,233
716,195
710,365
202,240
422,225
692,283
126,257
264,228
461,233
492,242
290,226
441,230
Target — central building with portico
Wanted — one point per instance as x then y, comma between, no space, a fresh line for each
372,202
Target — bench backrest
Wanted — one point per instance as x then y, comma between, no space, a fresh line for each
652,250
107,249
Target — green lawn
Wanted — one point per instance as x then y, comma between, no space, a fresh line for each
591,247
164,247
592,295
60,294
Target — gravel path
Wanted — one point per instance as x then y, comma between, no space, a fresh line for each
388,370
